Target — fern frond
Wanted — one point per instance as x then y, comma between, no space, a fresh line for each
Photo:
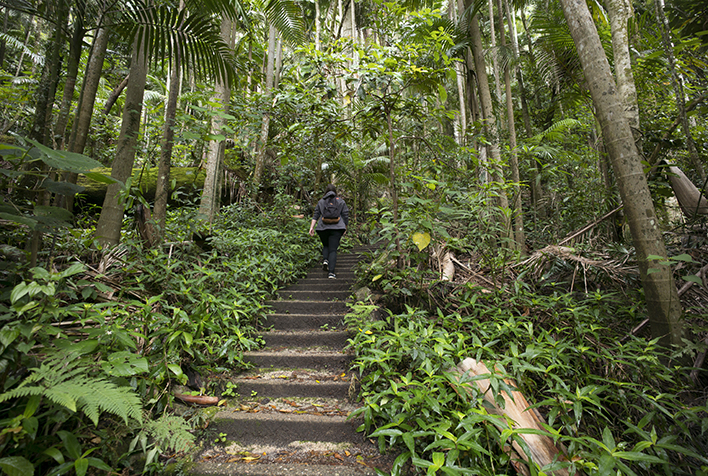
172,432
100,395
63,381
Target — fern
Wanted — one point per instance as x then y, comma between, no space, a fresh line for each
171,432
64,381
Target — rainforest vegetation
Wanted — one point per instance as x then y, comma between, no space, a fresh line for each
529,175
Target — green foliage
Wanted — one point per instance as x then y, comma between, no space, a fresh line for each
99,366
613,404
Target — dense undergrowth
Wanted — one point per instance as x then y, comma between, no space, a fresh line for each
617,403
88,358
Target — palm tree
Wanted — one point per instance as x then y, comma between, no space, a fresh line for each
161,32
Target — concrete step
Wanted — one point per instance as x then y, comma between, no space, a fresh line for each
320,293
339,284
319,273
281,429
249,469
308,307
283,322
294,384
308,338
299,358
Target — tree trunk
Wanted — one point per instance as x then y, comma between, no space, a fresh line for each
663,305
265,125
111,219
517,212
490,122
70,81
87,98
620,12
46,92
211,194
494,50
162,193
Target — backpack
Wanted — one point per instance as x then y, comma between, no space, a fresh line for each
331,211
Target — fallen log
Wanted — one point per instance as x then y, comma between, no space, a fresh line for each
542,450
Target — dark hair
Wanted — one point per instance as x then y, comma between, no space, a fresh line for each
331,188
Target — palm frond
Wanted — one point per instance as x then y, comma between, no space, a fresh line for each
556,129
286,16
195,38
13,42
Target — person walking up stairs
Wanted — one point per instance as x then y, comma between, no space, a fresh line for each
291,418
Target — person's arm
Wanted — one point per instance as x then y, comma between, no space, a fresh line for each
345,214
315,217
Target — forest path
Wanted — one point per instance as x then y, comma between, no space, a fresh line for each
291,417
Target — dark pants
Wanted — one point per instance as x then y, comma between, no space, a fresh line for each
330,243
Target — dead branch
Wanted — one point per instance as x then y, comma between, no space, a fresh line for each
589,226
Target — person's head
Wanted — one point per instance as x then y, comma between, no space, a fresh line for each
331,188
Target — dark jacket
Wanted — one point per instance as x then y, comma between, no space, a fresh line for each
343,212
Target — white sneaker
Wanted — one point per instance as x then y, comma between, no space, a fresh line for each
325,265
332,276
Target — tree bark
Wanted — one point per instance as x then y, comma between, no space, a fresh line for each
487,110
162,193
111,219
516,210
620,11
46,92
265,125
662,300
211,194
70,81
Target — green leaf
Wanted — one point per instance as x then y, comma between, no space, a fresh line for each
683,257
97,463
377,277
421,240
71,443
81,466
54,453
176,369
442,93
16,466
692,278
637,456
62,160
103,178
21,219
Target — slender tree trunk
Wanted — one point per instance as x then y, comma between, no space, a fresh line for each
46,92
516,209
318,26
30,28
495,52
490,122
87,98
211,194
70,81
265,125
678,89
663,305
111,219
162,187
114,95
3,43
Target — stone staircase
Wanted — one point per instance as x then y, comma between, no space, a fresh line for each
291,417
